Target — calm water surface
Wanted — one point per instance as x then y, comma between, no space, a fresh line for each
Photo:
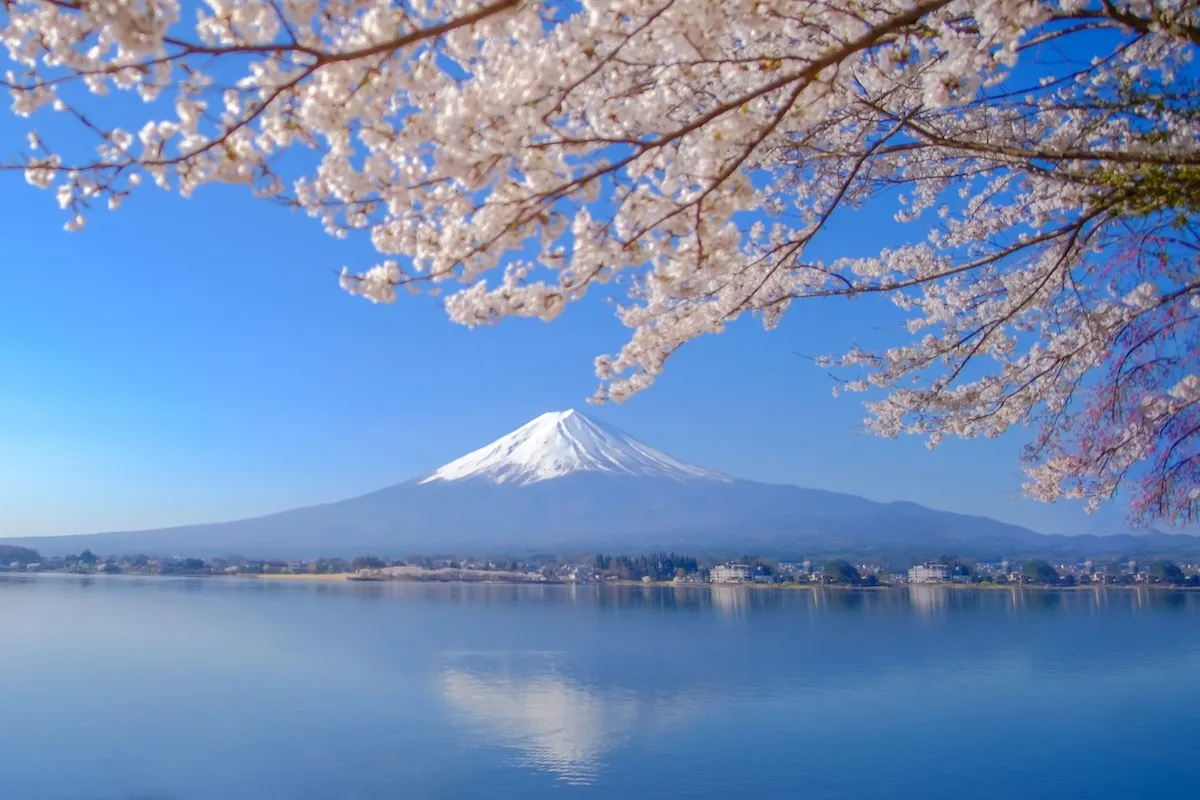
181,689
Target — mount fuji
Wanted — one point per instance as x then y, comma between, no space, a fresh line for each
566,483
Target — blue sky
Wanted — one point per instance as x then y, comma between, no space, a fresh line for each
189,360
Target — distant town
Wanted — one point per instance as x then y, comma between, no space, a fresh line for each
657,568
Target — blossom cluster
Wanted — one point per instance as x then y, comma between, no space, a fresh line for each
522,153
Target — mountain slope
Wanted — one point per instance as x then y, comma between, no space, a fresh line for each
566,483
579,511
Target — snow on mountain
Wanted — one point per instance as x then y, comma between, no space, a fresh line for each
562,442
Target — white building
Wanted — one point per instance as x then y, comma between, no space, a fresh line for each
929,573
580,573
729,573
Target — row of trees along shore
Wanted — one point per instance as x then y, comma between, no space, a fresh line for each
654,567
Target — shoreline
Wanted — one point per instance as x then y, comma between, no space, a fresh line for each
351,577
303,576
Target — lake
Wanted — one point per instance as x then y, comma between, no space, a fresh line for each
180,689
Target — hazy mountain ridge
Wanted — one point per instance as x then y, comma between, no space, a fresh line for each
565,483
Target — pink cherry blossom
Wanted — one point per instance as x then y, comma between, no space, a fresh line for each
694,153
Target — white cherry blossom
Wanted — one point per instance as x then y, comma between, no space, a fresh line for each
693,153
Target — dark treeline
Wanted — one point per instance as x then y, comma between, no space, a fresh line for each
11,554
656,566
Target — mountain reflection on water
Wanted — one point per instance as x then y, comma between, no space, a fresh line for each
557,725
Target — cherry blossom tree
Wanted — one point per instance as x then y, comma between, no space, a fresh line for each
694,154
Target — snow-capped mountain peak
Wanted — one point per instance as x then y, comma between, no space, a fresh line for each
559,443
